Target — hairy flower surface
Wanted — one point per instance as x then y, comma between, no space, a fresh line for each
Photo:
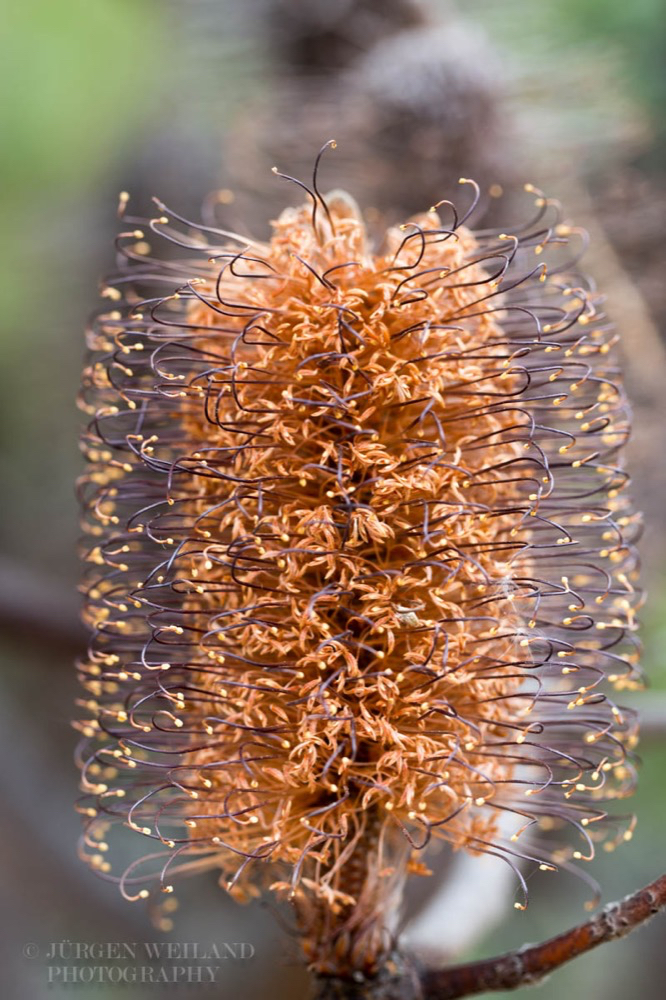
361,573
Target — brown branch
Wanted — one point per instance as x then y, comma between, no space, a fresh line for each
532,963
651,707
39,610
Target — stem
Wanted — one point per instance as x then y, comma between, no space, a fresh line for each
351,942
396,980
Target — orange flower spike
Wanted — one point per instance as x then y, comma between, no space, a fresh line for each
361,567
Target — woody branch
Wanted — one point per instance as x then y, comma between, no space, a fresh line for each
531,964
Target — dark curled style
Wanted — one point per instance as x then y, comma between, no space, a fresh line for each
360,573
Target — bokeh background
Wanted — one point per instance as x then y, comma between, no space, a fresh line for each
181,97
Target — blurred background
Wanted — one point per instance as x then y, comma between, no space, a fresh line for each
178,98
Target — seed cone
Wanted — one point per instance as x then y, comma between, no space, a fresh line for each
361,573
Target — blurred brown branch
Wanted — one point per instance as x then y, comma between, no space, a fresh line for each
531,964
651,708
36,609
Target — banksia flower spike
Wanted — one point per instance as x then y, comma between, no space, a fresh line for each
360,573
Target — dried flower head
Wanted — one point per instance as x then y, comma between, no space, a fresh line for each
360,573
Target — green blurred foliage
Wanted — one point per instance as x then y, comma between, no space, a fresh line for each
638,28
72,70
654,638
77,76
